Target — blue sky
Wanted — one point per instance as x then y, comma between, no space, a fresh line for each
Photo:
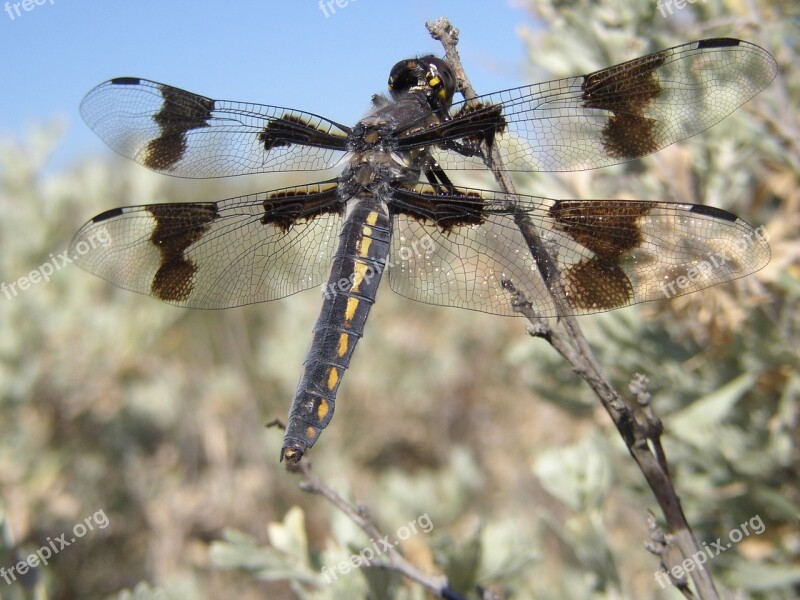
287,53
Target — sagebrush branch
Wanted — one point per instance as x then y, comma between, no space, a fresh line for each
640,429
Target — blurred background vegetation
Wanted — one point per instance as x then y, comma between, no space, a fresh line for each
155,415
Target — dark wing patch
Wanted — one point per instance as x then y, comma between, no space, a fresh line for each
434,205
583,219
216,255
176,132
293,129
607,117
292,206
625,91
608,253
596,285
177,227
181,112
609,229
473,124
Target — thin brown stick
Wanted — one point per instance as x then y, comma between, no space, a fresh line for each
394,561
640,429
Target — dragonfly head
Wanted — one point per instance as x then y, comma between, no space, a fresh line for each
426,74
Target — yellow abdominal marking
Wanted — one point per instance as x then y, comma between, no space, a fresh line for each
322,409
311,433
365,242
350,310
372,218
333,379
360,271
344,342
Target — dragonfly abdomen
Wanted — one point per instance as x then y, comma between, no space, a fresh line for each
348,296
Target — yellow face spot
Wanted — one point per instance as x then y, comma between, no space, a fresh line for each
434,81
372,218
360,272
344,342
350,310
322,409
333,379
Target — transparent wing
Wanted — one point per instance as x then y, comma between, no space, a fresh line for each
217,254
176,132
606,117
459,249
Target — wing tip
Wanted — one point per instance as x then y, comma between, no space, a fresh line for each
125,81
720,42
106,215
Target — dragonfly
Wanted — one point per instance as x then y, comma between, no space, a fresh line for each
394,209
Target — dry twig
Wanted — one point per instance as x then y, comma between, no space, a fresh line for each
394,561
640,429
